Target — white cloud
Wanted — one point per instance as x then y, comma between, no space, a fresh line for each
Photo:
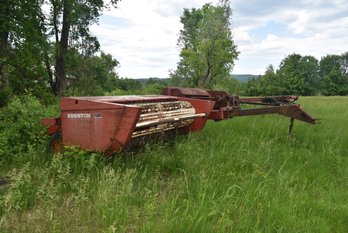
241,36
271,45
142,35
318,28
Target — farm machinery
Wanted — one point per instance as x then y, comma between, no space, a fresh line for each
111,124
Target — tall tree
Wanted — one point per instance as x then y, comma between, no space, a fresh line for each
208,51
332,72
270,83
344,70
344,63
35,46
299,74
21,26
91,75
309,71
289,72
69,23
6,23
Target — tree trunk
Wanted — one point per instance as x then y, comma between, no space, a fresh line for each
204,81
61,80
48,69
4,43
4,81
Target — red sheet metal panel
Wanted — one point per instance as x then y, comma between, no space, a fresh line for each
53,123
97,126
186,92
50,121
201,106
220,114
124,129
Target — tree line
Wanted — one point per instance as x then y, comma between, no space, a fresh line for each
47,50
303,75
208,54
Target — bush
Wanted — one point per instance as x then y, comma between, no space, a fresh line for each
20,127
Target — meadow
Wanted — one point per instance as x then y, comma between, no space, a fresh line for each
240,175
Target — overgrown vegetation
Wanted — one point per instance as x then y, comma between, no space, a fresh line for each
20,129
241,175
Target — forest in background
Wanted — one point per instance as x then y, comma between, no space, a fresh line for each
51,52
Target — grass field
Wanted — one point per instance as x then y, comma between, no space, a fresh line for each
240,175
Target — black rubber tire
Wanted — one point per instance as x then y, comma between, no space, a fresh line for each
56,144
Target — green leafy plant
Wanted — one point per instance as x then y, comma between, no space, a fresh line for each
20,126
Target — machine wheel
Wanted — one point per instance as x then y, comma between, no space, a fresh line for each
56,143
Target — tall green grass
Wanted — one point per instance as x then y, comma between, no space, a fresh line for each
240,175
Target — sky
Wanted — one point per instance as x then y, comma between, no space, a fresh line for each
142,35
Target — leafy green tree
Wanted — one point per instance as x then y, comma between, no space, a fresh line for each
290,74
208,51
91,75
344,69
228,84
296,75
344,63
299,75
130,85
35,47
270,83
252,87
154,86
333,74
303,75
21,47
309,66
69,23
6,23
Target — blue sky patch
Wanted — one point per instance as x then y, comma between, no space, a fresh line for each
115,22
272,27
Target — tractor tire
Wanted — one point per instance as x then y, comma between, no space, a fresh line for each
56,143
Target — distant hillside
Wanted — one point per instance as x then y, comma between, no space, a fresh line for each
143,81
244,77
240,77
